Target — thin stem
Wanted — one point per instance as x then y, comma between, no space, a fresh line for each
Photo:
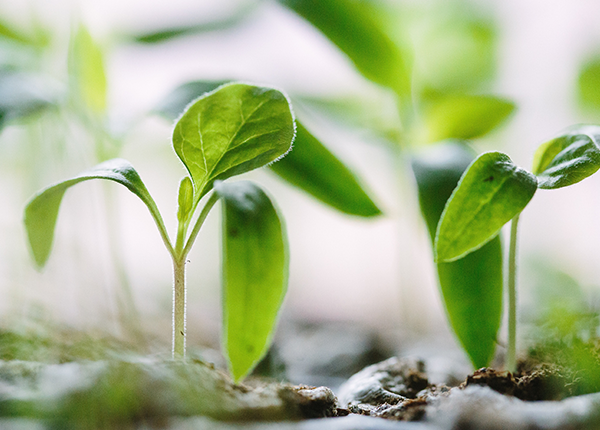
179,289
160,224
179,308
194,234
511,354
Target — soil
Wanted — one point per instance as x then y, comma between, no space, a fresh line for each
399,389
66,378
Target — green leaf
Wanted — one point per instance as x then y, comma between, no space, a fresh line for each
235,129
350,26
569,158
86,67
490,193
588,85
471,287
310,166
315,170
437,169
42,210
173,105
255,273
464,116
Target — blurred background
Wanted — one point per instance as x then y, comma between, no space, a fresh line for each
81,82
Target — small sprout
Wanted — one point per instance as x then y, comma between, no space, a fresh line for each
232,130
479,206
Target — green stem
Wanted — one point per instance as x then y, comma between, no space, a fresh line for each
179,308
205,210
511,354
179,255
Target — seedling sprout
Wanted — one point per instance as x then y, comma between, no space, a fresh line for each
229,131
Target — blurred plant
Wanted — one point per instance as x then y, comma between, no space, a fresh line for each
563,329
232,130
54,111
588,85
434,60
494,191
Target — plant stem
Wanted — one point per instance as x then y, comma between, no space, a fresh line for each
179,308
511,354
179,254
205,210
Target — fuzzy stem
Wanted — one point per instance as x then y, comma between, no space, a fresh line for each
205,210
511,354
179,254
179,308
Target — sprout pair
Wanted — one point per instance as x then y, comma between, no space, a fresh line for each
492,192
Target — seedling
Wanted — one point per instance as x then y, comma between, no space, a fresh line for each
493,191
232,130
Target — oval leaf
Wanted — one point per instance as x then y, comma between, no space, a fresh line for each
348,25
42,210
232,130
490,193
255,273
471,287
569,158
311,167
464,116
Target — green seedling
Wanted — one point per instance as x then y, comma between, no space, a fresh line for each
494,191
471,287
432,62
232,130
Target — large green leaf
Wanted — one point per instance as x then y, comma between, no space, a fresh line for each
232,130
311,167
464,116
490,193
471,286
86,64
42,210
255,273
569,158
349,25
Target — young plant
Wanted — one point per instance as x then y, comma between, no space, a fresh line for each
494,191
433,61
232,130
